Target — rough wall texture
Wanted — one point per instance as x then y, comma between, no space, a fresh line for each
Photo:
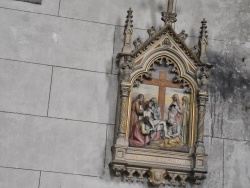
58,81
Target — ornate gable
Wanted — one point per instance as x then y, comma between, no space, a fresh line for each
167,32
161,106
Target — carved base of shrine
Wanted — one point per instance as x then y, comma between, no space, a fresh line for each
161,167
157,145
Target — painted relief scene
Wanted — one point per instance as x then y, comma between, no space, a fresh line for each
160,114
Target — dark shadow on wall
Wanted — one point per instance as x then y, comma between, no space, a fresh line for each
32,1
230,80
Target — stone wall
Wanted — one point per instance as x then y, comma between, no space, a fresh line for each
58,81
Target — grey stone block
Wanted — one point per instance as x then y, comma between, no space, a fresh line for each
237,164
216,53
244,24
215,160
83,95
208,119
16,178
146,12
47,6
52,180
214,116
229,89
107,174
56,41
236,92
222,17
236,129
186,12
214,149
49,144
24,87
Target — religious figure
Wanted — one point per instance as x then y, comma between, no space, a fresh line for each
140,135
196,50
151,31
173,137
183,35
175,111
185,121
137,43
156,119
173,134
153,111
137,110
126,68
202,79
166,42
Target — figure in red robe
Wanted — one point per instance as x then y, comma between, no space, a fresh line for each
136,111
140,136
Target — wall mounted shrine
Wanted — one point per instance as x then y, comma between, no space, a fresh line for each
161,108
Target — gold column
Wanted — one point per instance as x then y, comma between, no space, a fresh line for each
202,97
124,99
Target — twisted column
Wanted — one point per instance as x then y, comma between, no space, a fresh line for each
124,109
125,90
202,99
201,116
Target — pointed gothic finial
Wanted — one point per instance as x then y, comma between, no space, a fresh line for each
169,17
128,32
203,41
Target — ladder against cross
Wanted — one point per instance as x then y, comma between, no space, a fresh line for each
162,83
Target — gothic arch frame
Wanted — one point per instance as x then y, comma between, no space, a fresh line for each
182,73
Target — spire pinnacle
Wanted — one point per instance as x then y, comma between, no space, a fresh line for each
169,17
203,41
170,6
128,31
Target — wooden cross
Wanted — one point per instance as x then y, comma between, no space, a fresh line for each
162,82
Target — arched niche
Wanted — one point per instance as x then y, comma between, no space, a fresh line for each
178,81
